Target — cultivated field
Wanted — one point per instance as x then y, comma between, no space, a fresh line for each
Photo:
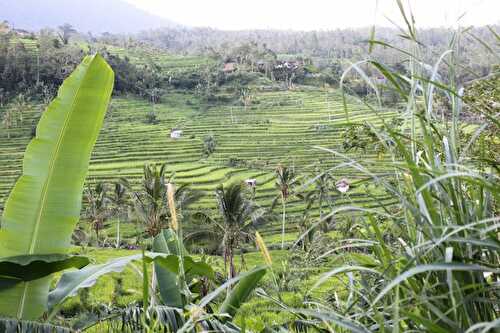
280,127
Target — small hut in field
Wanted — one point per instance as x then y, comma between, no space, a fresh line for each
251,182
342,185
175,133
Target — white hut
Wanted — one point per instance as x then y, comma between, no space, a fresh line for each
251,182
175,134
342,186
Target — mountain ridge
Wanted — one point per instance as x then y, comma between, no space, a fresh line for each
96,16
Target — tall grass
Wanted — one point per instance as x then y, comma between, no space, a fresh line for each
432,263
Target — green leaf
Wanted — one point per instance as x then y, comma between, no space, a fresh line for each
44,206
365,260
9,325
332,317
432,268
242,290
167,279
198,268
71,282
29,268
428,324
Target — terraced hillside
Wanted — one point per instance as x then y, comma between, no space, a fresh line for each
170,63
280,127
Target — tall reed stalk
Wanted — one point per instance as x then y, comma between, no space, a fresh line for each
434,262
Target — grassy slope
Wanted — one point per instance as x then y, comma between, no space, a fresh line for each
280,128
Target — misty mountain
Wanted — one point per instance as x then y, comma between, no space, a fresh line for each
97,16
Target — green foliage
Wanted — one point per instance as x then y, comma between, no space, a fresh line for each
429,264
34,267
170,291
71,282
209,145
45,203
483,95
241,291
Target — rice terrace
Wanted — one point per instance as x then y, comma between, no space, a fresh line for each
197,167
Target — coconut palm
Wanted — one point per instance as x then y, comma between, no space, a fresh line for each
98,206
120,201
323,184
9,120
21,105
151,202
285,180
184,197
234,224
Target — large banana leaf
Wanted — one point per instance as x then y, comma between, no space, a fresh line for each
242,290
45,204
34,267
170,292
72,281
167,277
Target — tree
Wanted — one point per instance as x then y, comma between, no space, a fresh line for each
21,105
246,96
209,145
65,32
285,180
151,202
235,222
3,96
9,120
323,185
120,203
98,206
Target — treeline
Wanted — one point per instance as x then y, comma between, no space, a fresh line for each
349,44
35,64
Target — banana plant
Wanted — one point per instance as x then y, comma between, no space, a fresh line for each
44,205
183,311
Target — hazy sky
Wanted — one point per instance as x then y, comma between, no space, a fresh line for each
318,14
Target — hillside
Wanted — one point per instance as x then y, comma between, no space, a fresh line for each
114,16
281,127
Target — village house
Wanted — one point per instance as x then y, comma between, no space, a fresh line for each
229,67
23,33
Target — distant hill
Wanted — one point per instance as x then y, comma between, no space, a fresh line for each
96,16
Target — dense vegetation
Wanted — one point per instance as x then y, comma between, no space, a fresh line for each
299,196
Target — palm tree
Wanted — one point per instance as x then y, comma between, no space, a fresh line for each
285,180
120,202
151,202
21,105
65,32
97,207
9,120
235,223
323,185
184,197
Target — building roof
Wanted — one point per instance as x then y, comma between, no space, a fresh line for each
229,67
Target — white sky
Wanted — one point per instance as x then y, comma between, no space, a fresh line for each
318,14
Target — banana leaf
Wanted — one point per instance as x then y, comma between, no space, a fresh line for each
242,290
44,206
29,268
170,292
70,282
